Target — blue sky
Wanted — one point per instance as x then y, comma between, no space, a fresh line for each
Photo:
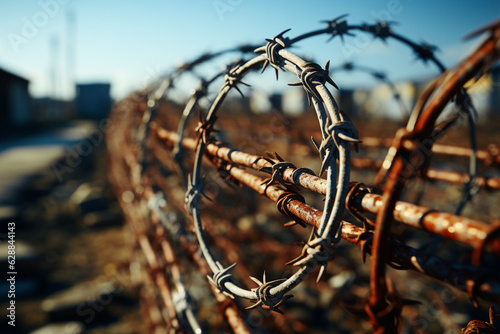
128,43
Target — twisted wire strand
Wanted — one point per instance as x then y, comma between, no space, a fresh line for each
313,84
467,231
402,256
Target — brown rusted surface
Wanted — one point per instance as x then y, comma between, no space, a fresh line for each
132,210
488,156
491,183
309,181
448,225
402,255
433,174
397,169
378,286
476,63
228,154
230,309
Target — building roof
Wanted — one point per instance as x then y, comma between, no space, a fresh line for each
9,75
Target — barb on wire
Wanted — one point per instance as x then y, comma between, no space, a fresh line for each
337,27
310,75
381,30
318,250
342,131
271,49
220,277
276,170
479,326
264,297
232,79
282,204
193,193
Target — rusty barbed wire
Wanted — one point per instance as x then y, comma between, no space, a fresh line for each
404,257
479,326
417,132
321,243
447,225
144,153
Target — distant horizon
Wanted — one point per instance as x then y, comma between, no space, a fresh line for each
128,43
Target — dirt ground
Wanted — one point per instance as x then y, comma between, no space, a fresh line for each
75,274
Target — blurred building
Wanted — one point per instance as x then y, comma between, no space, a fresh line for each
260,102
93,101
15,101
390,101
346,102
264,102
276,100
294,101
48,109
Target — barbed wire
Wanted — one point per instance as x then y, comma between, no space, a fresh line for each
450,226
145,208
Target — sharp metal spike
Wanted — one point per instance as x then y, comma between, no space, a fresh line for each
277,310
324,164
349,139
257,304
278,157
256,280
327,65
266,62
206,196
302,261
331,82
219,265
309,98
292,262
239,91
321,271
231,266
260,49
316,144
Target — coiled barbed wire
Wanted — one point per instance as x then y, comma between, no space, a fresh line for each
337,133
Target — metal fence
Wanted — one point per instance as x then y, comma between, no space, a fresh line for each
163,163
